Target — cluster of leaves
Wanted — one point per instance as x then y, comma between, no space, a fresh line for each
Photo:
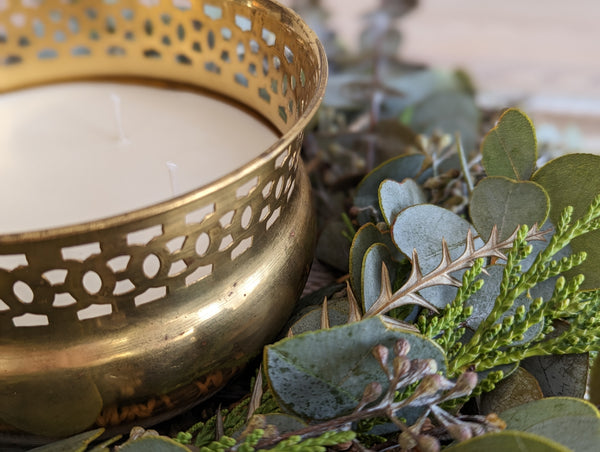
468,273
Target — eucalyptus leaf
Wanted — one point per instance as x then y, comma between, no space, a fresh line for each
422,228
519,388
507,204
396,196
560,375
367,192
322,374
365,237
373,259
77,443
574,180
153,444
508,441
450,111
510,148
572,422
337,311
333,248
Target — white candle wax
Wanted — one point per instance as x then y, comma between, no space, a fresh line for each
77,152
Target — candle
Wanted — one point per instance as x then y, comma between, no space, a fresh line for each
77,152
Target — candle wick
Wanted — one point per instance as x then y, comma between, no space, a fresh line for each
172,167
116,100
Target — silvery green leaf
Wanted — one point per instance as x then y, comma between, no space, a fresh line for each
395,196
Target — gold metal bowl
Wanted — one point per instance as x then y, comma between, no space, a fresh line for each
242,245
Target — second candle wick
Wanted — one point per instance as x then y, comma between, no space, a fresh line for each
116,100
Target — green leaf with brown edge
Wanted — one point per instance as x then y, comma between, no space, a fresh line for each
322,374
507,204
508,441
573,422
374,257
50,411
574,180
153,444
77,443
510,148
519,388
367,192
395,196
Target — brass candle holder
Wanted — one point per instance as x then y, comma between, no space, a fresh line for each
233,255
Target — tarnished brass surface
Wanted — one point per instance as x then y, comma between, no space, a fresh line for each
233,255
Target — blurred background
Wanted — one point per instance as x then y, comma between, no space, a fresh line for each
542,56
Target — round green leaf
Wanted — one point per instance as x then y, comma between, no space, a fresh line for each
364,238
508,441
395,196
507,204
510,148
574,180
322,374
337,311
526,416
450,111
572,422
398,169
422,227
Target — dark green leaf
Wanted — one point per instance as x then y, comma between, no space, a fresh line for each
574,180
508,441
510,148
153,444
507,204
519,388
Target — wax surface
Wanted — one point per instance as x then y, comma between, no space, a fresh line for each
62,160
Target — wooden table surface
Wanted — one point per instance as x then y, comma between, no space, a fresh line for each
543,55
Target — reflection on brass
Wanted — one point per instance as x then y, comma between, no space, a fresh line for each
235,281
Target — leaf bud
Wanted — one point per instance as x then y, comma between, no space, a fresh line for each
465,384
407,441
371,393
401,366
459,432
380,352
494,422
402,346
428,443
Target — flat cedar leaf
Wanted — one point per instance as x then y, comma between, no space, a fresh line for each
508,440
574,180
510,148
50,411
395,196
573,422
371,273
322,374
398,169
153,444
507,204
422,227
483,301
450,111
77,443
519,388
